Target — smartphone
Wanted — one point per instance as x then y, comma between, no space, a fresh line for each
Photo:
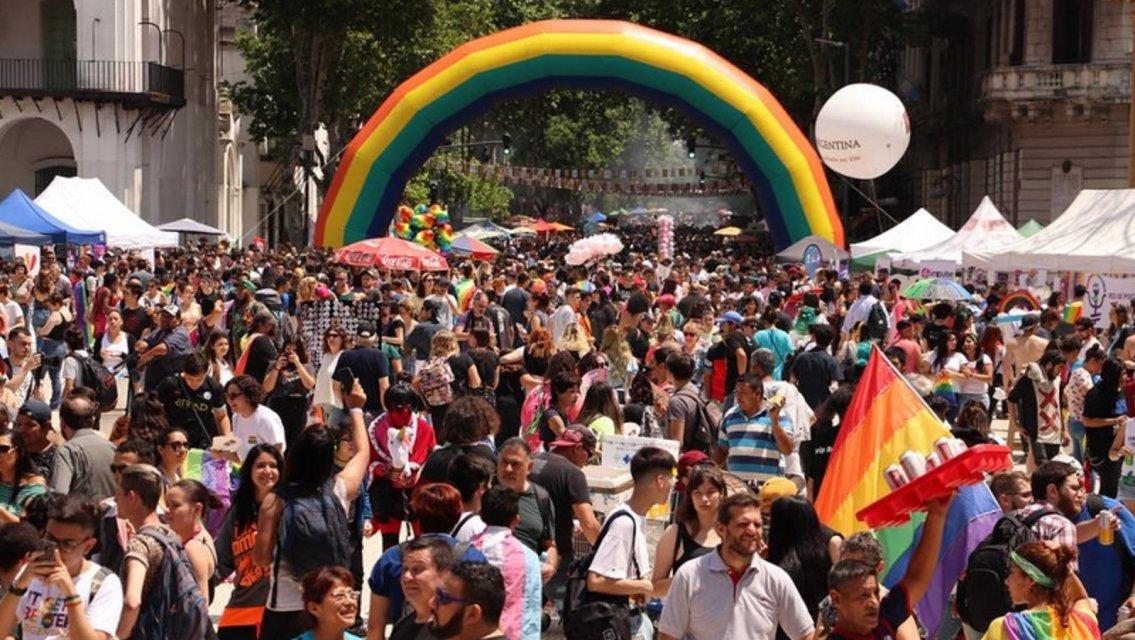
47,550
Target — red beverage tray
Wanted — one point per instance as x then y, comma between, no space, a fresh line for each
969,467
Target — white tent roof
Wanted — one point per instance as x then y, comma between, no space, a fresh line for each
919,231
1096,233
986,230
828,251
86,203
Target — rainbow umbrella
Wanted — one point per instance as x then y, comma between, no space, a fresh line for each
937,289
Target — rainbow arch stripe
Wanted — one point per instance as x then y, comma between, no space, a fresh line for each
782,164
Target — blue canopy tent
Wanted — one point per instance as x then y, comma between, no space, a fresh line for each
10,235
18,210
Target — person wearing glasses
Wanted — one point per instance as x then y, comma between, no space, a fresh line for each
468,603
172,447
59,593
253,423
20,481
327,397
330,596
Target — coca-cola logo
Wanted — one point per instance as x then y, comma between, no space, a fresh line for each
356,257
398,262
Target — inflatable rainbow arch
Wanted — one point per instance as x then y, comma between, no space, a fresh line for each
782,164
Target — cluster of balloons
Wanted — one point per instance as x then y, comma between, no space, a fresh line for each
665,237
427,226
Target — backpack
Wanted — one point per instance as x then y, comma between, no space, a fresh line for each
436,382
877,324
592,616
982,595
100,380
314,531
174,608
704,435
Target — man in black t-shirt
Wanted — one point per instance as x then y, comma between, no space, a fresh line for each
366,363
559,472
854,586
195,402
814,370
737,348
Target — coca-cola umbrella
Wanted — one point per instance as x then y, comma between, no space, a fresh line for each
391,253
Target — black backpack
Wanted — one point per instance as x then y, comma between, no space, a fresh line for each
982,595
174,608
314,530
703,437
100,380
877,323
594,616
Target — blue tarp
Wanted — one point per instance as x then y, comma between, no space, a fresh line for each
18,210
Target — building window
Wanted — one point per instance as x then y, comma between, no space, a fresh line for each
1071,31
1017,39
43,177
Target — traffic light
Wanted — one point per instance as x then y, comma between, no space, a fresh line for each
506,144
691,147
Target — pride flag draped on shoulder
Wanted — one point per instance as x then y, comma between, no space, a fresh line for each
886,418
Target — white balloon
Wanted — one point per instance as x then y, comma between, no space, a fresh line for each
862,131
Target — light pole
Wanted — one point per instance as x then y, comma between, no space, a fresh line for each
846,214
147,23
96,21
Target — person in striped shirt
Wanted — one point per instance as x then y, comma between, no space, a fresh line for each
754,436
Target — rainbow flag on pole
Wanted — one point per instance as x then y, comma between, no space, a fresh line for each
885,419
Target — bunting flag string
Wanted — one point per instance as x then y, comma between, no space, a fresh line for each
714,179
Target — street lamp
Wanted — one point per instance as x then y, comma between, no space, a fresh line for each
846,56
147,23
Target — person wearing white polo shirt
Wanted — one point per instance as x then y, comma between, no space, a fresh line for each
733,594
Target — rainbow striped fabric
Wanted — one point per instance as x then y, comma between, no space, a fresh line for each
885,419
1072,312
465,290
1044,624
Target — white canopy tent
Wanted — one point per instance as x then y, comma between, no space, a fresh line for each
986,230
918,231
86,203
828,251
1095,234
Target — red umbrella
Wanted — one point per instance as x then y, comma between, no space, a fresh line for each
474,247
543,226
391,253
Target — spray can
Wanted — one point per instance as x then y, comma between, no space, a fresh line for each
895,477
913,463
1107,527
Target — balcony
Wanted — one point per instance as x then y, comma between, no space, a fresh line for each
1074,89
134,84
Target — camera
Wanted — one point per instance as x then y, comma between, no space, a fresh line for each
51,361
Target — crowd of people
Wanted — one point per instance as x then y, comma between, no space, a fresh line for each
281,411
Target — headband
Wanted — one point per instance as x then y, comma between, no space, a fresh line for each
1031,570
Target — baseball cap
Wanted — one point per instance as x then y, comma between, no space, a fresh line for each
576,434
172,309
37,410
776,488
730,316
1029,321
689,459
365,329
667,299
248,285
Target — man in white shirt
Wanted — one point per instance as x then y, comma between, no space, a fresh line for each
59,594
447,304
860,309
732,593
621,564
564,316
252,422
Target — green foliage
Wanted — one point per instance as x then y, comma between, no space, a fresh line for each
333,62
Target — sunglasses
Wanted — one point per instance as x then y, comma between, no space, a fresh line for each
233,396
444,598
178,446
118,468
690,334
5,448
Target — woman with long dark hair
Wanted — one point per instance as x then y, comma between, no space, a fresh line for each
218,353
288,385
309,484
601,412
258,476
19,480
645,408
693,534
1102,418
1057,605
818,451
977,372
944,364
799,544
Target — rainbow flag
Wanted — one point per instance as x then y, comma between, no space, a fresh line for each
465,290
885,419
1072,312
